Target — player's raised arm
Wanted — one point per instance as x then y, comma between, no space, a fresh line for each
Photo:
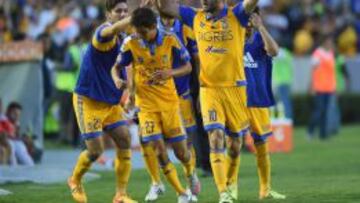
116,28
124,59
172,8
249,5
270,45
168,7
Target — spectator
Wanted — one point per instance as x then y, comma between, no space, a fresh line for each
282,79
5,148
323,86
20,154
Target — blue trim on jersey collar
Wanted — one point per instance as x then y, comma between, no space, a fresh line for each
158,41
222,14
176,27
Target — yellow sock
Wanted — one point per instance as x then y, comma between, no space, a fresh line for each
151,163
233,165
189,166
193,156
264,167
171,175
82,166
122,169
218,166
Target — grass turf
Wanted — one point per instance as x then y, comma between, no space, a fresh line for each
314,172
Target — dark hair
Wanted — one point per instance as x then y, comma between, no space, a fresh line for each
110,4
257,10
326,36
143,17
14,105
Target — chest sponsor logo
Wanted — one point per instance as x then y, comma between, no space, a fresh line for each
215,50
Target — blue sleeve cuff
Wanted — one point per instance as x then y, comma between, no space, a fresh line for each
126,58
180,57
192,47
98,36
241,14
187,15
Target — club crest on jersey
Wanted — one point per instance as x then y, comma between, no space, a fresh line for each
165,59
212,49
202,24
140,60
224,24
249,61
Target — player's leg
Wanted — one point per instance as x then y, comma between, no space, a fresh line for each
237,124
174,132
116,126
260,131
94,149
168,168
89,118
157,188
214,124
151,132
189,121
233,164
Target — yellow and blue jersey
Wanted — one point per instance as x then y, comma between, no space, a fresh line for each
166,52
187,38
258,69
220,40
95,79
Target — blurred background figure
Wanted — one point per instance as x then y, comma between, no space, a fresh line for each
323,87
283,65
5,148
19,153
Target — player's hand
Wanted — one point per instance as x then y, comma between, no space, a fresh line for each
119,83
161,75
147,3
256,21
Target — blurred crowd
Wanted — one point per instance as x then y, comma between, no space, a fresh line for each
296,24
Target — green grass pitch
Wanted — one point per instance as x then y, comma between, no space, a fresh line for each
314,172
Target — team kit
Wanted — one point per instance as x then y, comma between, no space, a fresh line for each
149,54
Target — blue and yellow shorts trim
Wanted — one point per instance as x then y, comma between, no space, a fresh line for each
260,123
224,108
95,117
165,125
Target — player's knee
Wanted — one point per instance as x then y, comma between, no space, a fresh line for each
258,142
124,141
216,137
182,155
94,154
234,151
234,147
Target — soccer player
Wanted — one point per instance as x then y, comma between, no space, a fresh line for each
220,36
259,49
186,37
157,57
96,100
